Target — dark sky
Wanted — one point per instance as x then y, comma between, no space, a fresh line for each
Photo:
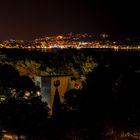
29,19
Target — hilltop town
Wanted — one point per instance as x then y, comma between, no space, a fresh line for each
71,41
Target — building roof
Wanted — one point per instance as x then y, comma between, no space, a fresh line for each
56,75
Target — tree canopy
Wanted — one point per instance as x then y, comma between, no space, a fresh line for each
72,62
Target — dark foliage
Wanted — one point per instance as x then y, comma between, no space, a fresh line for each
26,83
72,99
8,76
111,96
23,116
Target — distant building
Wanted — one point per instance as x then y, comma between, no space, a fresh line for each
48,85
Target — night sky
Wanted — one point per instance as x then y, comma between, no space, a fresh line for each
30,19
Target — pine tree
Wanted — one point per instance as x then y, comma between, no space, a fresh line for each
56,103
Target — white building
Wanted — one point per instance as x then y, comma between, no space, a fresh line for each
48,85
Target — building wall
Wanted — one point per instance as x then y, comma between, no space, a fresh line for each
37,81
45,85
48,88
62,88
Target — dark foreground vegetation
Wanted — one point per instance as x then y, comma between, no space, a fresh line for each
106,108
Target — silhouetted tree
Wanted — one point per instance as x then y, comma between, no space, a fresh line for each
26,83
8,75
56,109
24,116
9,78
72,100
